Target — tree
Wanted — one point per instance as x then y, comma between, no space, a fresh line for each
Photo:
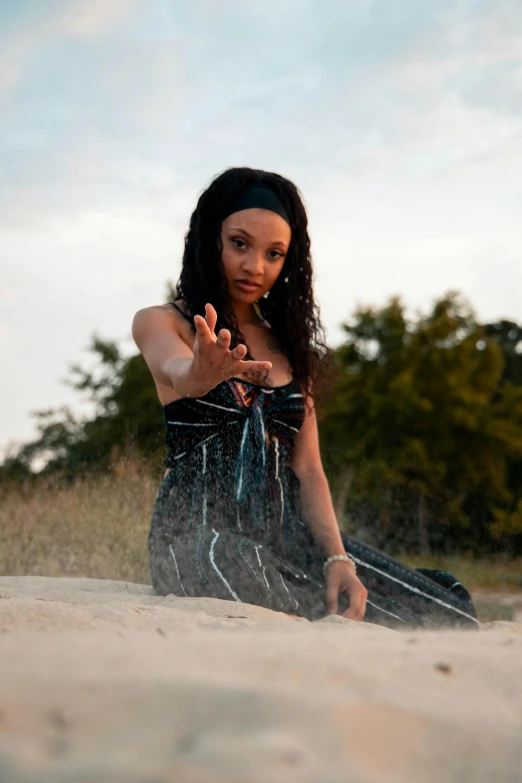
127,417
420,418
508,335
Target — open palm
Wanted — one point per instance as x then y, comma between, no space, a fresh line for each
214,361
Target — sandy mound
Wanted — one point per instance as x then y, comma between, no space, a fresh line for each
104,681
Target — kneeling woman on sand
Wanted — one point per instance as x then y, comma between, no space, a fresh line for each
244,511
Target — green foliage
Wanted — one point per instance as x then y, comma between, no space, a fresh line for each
422,414
508,336
127,420
139,412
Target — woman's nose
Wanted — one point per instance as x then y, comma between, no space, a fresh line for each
254,262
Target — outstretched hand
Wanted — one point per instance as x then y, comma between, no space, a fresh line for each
213,360
341,578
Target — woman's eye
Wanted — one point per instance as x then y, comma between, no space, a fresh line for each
239,243
275,254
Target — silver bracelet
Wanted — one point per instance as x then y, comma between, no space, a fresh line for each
344,558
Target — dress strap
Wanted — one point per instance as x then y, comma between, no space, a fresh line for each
180,311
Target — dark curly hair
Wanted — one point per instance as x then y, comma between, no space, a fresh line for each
290,308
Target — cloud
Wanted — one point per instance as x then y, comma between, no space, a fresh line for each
357,92
398,121
87,19
81,20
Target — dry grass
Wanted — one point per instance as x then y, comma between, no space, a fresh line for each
494,573
98,528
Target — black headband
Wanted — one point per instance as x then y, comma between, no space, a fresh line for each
257,196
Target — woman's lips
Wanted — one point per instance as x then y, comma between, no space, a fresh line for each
250,287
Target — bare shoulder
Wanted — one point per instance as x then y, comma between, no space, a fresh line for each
159,315
156,312
158,318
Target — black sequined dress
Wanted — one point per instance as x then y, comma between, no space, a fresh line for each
227,519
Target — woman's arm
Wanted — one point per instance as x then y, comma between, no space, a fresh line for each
169,359
318,511
172,363
316,500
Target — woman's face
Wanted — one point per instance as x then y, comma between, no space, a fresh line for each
255,243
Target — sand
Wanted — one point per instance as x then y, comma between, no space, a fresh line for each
103,681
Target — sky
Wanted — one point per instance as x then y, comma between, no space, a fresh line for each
400,122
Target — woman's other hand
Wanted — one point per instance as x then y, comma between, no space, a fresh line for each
341,578
214,361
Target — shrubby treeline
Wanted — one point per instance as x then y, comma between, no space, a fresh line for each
420,424
422,429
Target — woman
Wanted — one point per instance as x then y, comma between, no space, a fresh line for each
244,510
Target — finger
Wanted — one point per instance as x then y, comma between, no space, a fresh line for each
357,606
362,602
210,316
239,351
253,366
203,333
363,606
223,339
359,609
332,600
351,613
